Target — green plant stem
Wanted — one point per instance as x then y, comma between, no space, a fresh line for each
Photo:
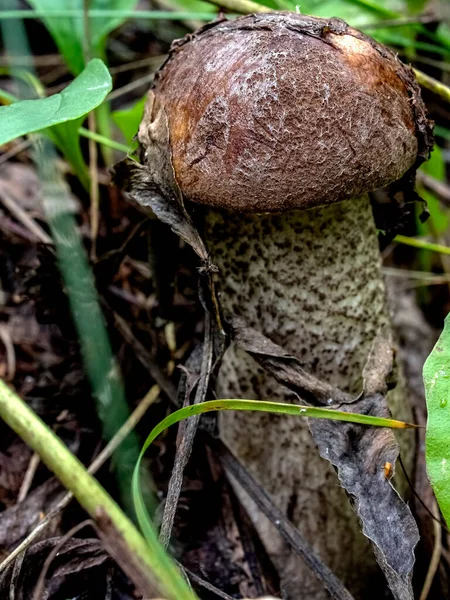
422,244
249,405
433,85
272,407
103,119
106,14
101,139
89,493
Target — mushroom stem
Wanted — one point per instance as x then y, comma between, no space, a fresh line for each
310,281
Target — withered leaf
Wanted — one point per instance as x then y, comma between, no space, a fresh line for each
358,453
152,185
286,368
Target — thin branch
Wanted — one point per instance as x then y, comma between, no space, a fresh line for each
440,188
401,21
208,586
145,358
186,435
144,80
5,338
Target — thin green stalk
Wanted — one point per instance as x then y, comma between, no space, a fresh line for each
422,244
272,407
250,405
103,118
89,493
106,14
94,189
101,139
432,84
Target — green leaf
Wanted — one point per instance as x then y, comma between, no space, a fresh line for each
68,32
436,378
143,517
128,120
81,96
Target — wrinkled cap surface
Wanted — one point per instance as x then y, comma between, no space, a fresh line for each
279,111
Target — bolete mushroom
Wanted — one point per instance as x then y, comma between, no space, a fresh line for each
281,124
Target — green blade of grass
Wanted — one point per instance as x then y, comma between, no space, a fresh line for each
422,244
101,139
249,405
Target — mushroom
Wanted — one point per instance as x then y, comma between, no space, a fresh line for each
280,125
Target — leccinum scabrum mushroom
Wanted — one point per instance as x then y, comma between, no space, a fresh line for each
281,124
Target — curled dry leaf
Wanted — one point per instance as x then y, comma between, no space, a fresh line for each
359,454
152,185
286,368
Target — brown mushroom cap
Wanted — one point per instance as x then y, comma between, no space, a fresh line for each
275,112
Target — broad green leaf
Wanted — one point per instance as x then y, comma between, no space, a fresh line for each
68,32
81,96
436,378
128,120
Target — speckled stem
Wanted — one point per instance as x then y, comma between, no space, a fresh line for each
310,281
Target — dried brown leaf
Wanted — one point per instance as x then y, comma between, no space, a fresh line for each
152,185
358,453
